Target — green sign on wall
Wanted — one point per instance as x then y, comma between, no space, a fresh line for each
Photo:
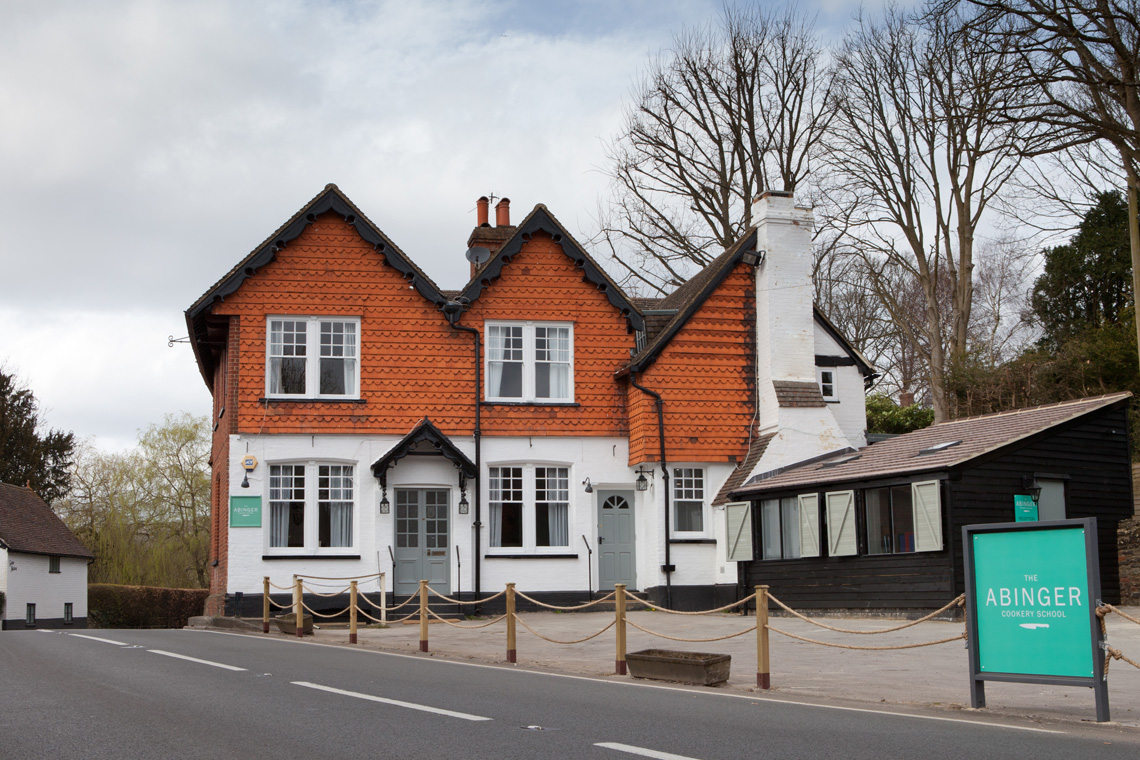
1024,509
245,511
1031,595
1033,602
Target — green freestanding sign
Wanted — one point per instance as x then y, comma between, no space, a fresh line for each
245,511
1032,591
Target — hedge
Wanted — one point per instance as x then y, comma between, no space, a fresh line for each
111,606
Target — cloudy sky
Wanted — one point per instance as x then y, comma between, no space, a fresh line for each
146,147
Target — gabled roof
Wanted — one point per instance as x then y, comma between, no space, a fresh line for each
860,360
424,432
331,199
28,525
939,447
687,300
540,219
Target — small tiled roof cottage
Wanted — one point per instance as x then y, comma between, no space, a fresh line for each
43,566
537,426
882,527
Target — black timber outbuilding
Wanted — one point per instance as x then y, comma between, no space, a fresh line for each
948,475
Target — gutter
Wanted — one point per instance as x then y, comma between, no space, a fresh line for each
453,310
667,568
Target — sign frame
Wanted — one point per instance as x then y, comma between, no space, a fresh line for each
1098,681
240,516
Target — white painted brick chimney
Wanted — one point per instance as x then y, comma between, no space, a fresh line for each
785,338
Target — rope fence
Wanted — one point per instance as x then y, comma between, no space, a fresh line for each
620,598
1111,653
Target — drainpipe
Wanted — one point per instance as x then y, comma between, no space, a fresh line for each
453,309
668,566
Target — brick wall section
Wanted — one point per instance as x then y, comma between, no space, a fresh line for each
707,376
541,284
225,423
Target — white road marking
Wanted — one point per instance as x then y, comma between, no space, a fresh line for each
638,685
195,659
395,702
642,751
96,638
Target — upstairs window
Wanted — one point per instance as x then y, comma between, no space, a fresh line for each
312,357
530,362
827,386
53,564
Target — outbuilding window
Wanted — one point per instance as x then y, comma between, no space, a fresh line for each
789,527
903,518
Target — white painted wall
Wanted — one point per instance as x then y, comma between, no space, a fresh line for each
602,460
851,409
28,581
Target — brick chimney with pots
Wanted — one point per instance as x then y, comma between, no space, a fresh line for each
486,236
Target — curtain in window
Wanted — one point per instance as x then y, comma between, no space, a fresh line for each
341,519
496,525
495,352
559,524
278,524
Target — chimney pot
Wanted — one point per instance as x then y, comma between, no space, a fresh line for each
482,207
906,398
503,213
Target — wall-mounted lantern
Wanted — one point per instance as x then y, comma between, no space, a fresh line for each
642,483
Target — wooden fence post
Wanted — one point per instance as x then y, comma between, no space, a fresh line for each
423,617
511,653
352,612
298,606
619,612
265,606
383,599
763,674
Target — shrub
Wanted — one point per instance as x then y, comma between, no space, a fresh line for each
111,606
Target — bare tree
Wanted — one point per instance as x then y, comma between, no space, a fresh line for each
1083,59
736,108
924,156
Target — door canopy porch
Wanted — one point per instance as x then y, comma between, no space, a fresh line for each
424,439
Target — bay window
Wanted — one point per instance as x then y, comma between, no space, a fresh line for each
529,508
529,362
312,357
311,506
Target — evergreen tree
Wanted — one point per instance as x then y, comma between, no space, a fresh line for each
1086,284
42,461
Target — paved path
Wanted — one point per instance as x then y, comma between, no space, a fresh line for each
935,676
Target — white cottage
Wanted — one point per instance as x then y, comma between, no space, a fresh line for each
43,566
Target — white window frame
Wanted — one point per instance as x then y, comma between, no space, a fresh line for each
530,509
686,488
834,383
529,362
311,531
312,356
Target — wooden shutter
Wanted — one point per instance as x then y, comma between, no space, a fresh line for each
841,524
738,531
809,524
927,516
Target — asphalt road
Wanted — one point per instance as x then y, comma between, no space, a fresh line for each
191,694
